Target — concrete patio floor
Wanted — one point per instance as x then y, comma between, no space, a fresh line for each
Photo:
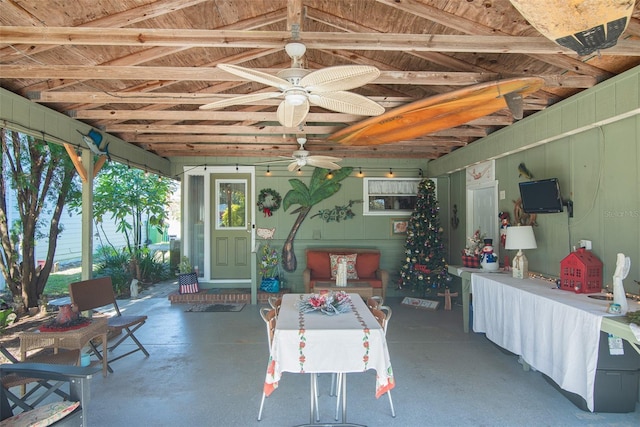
207,369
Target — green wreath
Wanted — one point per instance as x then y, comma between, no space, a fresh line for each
269,201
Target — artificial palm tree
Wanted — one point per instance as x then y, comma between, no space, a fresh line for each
321,187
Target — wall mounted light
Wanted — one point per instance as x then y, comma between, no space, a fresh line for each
299,171
390,172
360,174
236,167
268,171
329,175
420,174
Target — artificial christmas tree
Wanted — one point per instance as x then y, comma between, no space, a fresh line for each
424,268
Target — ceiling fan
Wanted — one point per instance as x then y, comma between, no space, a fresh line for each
302,157
325,88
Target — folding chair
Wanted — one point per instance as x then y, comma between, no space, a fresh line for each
70,412
95,293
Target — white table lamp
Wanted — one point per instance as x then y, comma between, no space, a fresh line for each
520,237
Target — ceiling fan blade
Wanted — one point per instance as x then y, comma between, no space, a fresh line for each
283,159
292,115
256,76
293,166
322,164
241,99
347,102
326,158
341,77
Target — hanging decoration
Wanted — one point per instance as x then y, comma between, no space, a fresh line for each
269,201
521,217
337,213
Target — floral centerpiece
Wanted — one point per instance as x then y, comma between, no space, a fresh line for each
269,261
471,254
328,303
269,268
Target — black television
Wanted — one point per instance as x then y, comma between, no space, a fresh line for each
541,196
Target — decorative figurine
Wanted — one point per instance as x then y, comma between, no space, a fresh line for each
488,260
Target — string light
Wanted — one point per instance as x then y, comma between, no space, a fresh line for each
299,171
360,174
330,175
268,171
390,172
420,172
236,167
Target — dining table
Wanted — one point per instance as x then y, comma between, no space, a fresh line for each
313,342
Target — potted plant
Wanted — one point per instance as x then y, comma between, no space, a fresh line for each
269,267
187,278
185,265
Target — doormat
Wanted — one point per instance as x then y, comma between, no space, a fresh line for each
212,308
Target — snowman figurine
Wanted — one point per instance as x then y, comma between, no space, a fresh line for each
488,260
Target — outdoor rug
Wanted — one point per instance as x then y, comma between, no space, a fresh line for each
211,308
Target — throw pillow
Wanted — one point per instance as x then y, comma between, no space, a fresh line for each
351,265
368,264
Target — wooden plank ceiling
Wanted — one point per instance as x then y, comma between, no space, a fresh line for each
139,69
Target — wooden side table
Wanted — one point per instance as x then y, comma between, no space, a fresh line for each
361,288
68,340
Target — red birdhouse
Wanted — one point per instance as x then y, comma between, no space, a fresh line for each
581,272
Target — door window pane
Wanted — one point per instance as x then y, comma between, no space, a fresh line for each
230,204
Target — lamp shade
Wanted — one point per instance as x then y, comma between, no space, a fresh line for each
581,25
520,237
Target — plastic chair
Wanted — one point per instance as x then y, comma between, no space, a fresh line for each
68,357
70,412
382,314
95,293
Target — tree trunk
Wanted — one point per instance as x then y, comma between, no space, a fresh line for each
289,262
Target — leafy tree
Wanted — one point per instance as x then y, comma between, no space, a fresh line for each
131,197
320,188
41,175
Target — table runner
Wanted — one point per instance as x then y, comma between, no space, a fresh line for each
319,343
555,331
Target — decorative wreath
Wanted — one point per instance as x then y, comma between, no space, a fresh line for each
269,201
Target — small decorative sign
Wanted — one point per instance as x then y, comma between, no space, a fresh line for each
425,304
422,268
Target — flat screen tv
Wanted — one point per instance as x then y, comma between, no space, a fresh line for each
542,196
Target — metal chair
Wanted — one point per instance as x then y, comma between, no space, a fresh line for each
96,293
269,315
275,302
382,314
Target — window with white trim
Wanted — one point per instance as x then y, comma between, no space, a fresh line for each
390,196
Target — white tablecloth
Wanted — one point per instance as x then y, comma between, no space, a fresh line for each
319,343
555,331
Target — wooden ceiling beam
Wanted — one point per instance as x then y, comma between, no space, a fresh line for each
77,36
260,116
89,72
183,98
288,141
